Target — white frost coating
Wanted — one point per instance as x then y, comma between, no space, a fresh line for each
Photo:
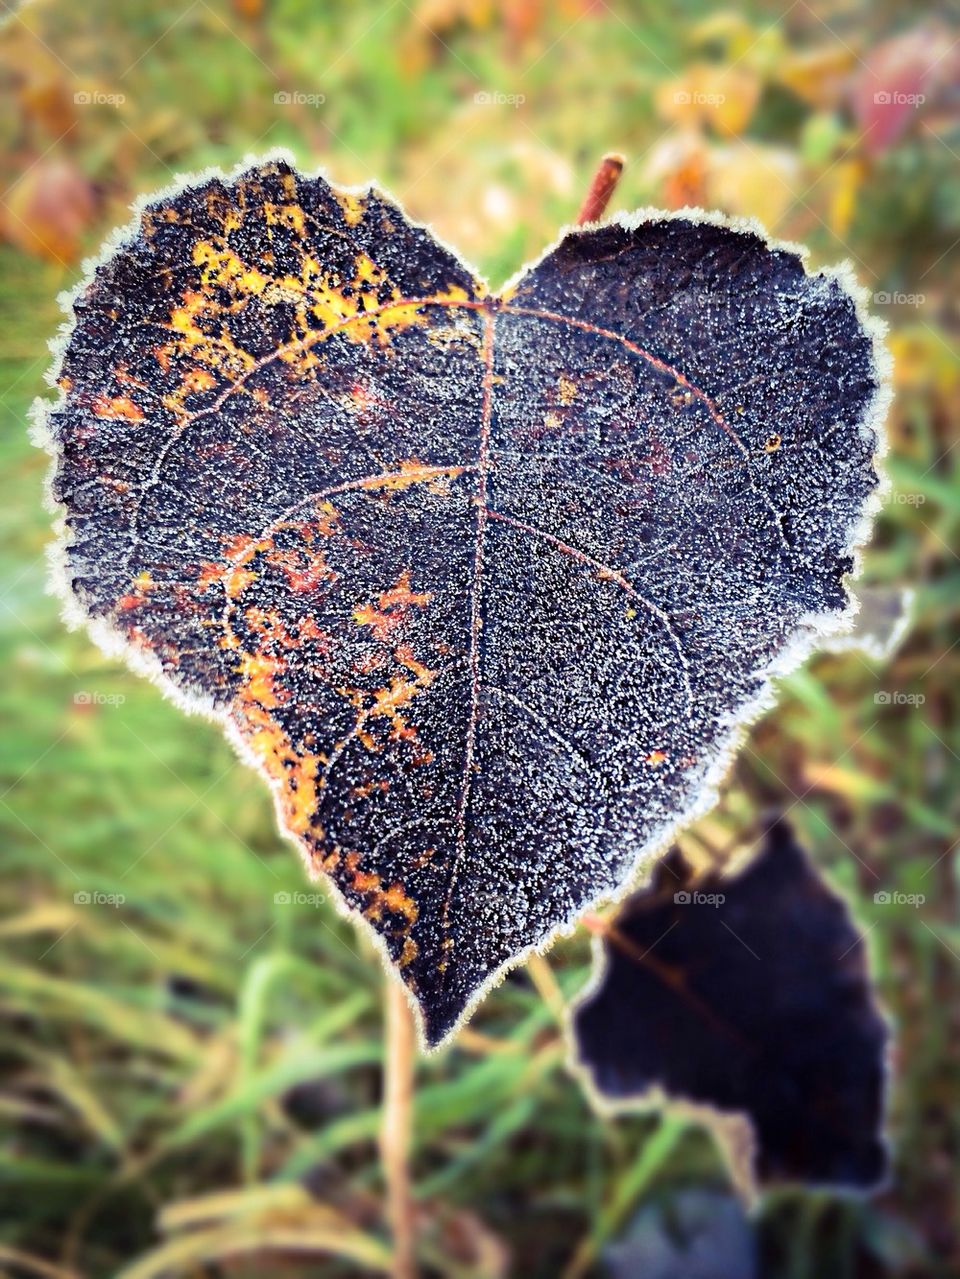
812,632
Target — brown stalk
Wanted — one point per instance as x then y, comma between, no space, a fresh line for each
396,1127
601,189
400,1045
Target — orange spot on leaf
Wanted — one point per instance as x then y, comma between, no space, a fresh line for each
392,608
117,406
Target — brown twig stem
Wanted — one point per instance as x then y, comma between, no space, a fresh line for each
397,1125
601,189
400,1039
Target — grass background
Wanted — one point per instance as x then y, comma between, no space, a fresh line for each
199,1064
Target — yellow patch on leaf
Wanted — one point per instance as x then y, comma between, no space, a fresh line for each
117,406
392,607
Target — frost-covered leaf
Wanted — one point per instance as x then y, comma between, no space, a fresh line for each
483,584
748,995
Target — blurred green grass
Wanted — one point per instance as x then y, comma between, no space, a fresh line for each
200,1037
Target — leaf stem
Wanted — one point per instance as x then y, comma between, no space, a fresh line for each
397,1125
601,189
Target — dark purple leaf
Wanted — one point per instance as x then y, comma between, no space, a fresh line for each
484,585
758,1003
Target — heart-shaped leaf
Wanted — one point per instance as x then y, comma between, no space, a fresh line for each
749,995
483,584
